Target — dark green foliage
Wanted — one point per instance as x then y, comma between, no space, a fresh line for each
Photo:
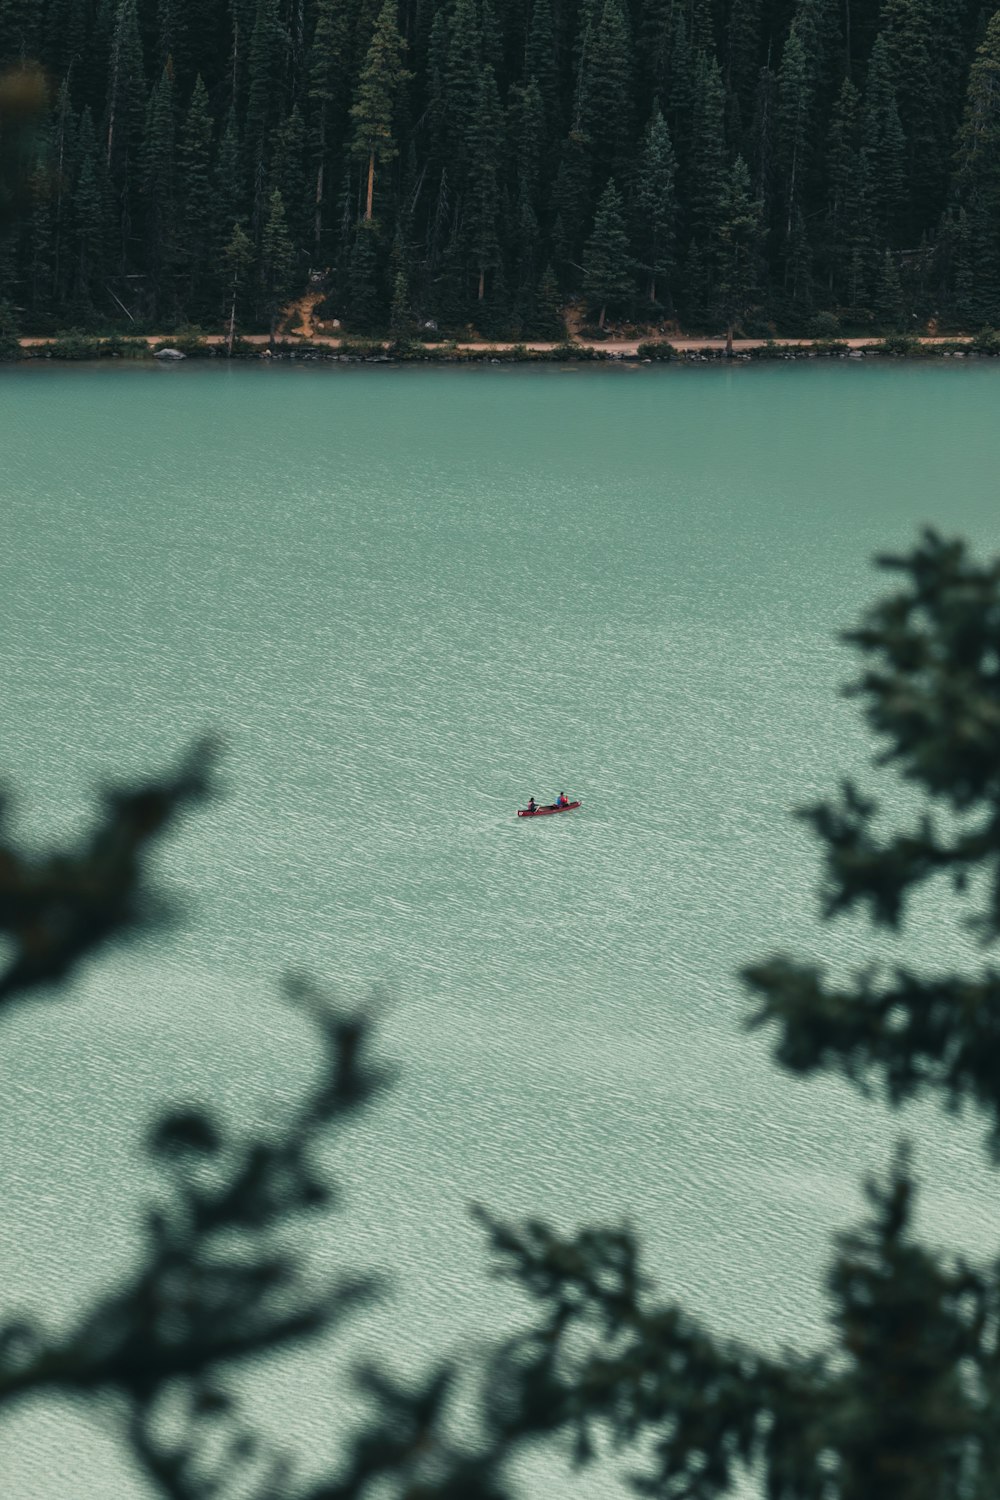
607,263
277,262
195,238
160,191
10,332
656,209
741,243
546,318
863,130
480,227
56,911
373,110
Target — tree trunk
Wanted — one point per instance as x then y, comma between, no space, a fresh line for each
482,282
318,219
729,340
600,321
371,186
232,328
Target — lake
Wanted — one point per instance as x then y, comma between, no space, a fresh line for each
410,599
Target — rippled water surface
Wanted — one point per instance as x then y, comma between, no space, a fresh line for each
410,599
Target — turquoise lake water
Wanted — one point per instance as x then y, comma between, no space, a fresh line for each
410,599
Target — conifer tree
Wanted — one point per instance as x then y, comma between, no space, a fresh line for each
238,259
883,149
707,182
459,86
923,47
571,202
365,307
844,191
195,236
743,38
90,217
978,178
277,262
741,240
159,191
547,320
288,171
20,30
796,93
607,262
328,88
606,91
230,203
382,78
266,57
65,38
656,207
39,243
889,294
541,62
126,97
482,199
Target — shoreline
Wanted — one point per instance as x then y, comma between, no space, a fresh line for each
82,347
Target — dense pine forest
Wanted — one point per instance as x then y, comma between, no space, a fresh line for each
787,166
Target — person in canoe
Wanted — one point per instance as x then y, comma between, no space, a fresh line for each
562,800
532,806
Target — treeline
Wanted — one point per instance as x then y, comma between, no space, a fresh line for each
784,165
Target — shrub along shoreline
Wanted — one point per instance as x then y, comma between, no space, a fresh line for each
75,347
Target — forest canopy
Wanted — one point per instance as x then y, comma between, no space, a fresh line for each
794,166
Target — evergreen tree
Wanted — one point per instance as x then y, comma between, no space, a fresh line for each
459,84
547,320
39,244
288,171
656,207
796,133
741,238
541,63
923,46
20,30
482,201
742,66
327,89
238,260
277,262
607,262
125,120
844,217
266,57
92,229
978,179
126,91
159,193
883,149
526,134
230,204
889,294
365,308
196,240
382,78
605,103
707,185
571,202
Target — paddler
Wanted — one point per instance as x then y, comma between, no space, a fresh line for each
531,805
561,800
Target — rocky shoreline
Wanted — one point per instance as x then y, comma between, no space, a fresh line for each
80,347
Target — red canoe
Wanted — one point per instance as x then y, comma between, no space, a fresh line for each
540,812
